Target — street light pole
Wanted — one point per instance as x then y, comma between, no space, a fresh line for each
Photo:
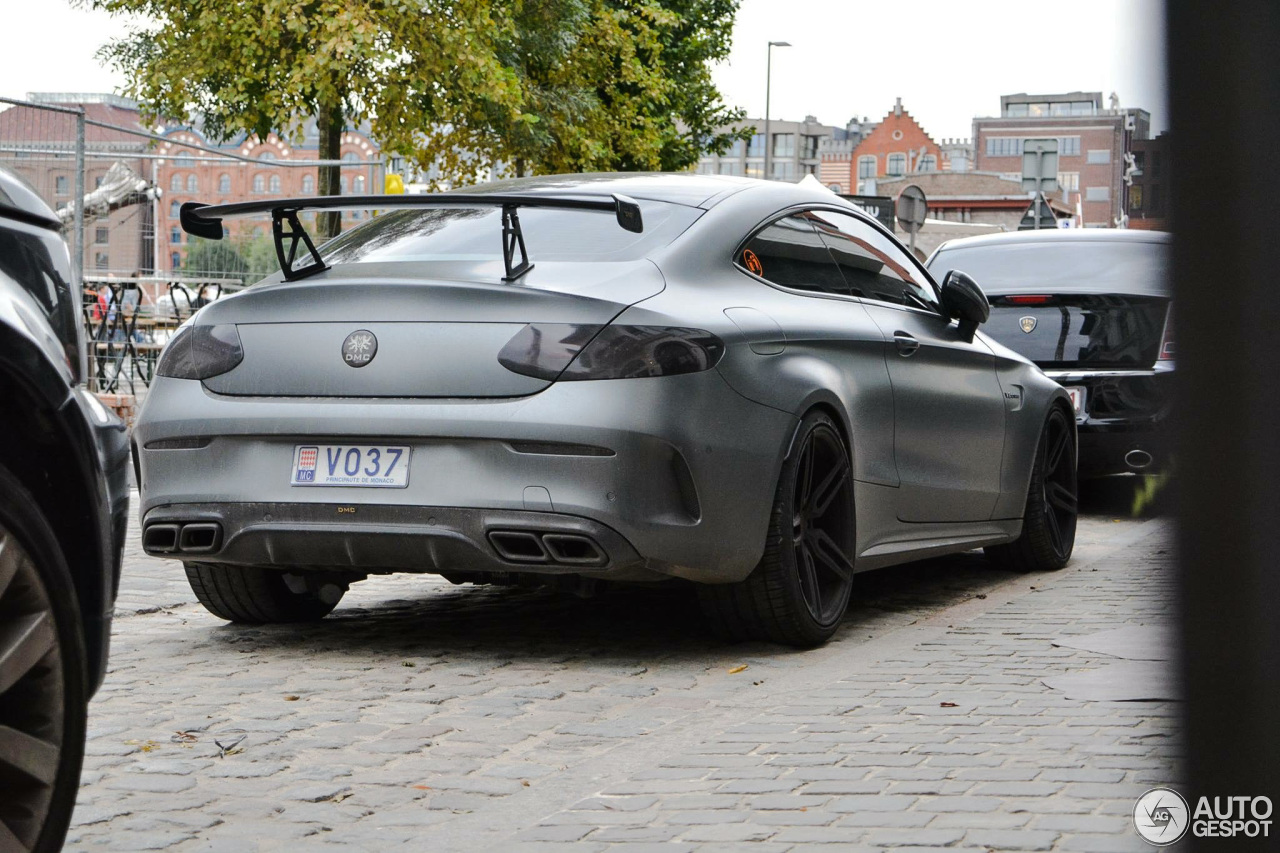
768,79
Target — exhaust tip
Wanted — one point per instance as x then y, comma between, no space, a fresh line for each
518,546
570,548
160,538
1137,459
200,538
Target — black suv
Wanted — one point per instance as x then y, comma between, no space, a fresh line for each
64,495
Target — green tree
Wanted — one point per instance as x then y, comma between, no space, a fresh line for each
213,259
269,65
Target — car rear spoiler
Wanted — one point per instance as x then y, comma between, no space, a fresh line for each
205,220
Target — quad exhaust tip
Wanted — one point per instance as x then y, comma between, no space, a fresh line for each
202,537
528,546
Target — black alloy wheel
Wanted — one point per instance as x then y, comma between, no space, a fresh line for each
1059,502
1049,518
800,590
822,525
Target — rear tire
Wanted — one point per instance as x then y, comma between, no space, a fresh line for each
799,591
254,596
43,679
1049,519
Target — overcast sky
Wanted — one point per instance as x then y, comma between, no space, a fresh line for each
949,60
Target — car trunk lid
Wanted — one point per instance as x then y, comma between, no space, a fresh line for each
1085,330
436,336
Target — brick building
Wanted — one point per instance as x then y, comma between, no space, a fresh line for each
249,169
896,145
1149,194
1092,144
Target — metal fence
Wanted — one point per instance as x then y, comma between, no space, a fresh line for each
118,186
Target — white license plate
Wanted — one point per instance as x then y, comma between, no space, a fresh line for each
1076,393
377,466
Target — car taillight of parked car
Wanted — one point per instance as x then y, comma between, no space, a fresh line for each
564,352
199,352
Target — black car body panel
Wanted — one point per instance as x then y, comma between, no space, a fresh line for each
70,452
1093,310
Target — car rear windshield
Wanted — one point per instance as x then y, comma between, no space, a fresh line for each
475,234
1081,266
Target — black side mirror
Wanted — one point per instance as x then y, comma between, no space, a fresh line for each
963,300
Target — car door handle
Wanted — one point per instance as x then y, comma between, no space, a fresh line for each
906,344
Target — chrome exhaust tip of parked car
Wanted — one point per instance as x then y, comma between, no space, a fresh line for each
195,538
1137,459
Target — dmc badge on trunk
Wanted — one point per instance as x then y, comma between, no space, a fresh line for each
359,348
1028,325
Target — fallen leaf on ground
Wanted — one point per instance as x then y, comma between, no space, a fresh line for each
737,669
981,595
948,704
183,737
524,782
337,798
423,787
292,698
407,663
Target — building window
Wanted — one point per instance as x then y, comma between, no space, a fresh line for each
1135,197
174,209
175,260
896,164
193,183
755,148
342,185
1069,181
351,157
273,185
175,235
1097,194
1016,110
1004,146
266,155
224,183
357,185
100,235
101,260
175,183
783,170
730,167
259,184
755,169
928,163
1099,156
866,166
186,160
308,184
736,149
97,182
1069,146
810,147
62,185
784,145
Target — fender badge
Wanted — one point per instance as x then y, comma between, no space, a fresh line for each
1028,325
359,348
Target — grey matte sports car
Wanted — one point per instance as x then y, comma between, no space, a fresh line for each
745,384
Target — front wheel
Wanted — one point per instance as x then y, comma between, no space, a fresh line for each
255,596
799,591
1049,519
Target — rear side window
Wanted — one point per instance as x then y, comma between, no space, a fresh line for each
475,234
789,253
873,266
1100,266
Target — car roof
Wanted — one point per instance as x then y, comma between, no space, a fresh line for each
1058,236
19,201
684,188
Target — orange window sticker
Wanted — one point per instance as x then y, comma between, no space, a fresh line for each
751,262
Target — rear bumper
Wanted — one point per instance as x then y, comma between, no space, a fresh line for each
681,483
1126,425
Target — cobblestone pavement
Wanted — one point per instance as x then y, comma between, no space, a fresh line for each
425,716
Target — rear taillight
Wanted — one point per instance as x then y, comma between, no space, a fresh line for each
1027,300
199,352
566,352
1166,340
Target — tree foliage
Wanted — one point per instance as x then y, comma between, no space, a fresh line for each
456,86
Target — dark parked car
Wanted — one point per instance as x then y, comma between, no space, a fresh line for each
745,384
64,462
1093,309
